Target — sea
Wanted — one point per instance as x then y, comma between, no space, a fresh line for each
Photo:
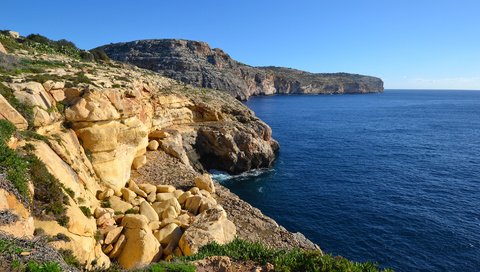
392,178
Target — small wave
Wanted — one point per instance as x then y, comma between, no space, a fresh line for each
260,190
221,176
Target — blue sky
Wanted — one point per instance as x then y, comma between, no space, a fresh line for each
409,44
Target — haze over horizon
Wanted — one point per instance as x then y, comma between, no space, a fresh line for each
409,44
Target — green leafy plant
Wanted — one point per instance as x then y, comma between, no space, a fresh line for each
69,259
170,267
283,260
86,211
44,267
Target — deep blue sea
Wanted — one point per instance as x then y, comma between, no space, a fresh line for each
392,178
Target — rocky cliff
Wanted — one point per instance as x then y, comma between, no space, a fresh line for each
197,64
81,146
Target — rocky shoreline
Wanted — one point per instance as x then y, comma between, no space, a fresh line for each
252,225
99,138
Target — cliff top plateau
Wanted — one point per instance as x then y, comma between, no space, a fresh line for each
197,64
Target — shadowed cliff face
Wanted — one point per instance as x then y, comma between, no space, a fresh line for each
196,63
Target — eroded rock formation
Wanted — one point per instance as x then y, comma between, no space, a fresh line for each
89,136
196,63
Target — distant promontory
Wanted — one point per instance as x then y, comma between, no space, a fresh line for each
196,63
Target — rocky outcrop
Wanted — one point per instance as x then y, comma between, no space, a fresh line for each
196,63
90,130
15,217
7,112
2,49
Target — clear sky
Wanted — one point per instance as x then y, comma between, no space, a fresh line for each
408,43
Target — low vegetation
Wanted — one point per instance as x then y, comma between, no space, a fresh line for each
21,166
283,260
11,256
41,44
15,166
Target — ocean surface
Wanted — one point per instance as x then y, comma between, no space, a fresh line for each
392,178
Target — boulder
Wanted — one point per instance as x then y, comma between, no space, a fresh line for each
113,235
184,220
207,204
118,205
135,221
193,203
159,207
205,182
168,233
148,188
153,145
107,249
183,197
58,95
169,213
195,191
216,263
178,193
137,201
141,246
105,194
212,225
9,113
99,211
134,187
152,197
118,247
147,211
33,94
165,189
164,196
128,195
139,162
154,225
173,145
113,144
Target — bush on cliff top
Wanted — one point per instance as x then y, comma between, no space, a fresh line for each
284,260
42,44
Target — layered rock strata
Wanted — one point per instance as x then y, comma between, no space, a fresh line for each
91,125
196,63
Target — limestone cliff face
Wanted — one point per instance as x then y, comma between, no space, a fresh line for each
196,63
94,133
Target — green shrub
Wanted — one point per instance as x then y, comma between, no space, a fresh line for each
86,211
45,267
69,259
170,267
105,204
48,191
14,165
9,248
283,260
